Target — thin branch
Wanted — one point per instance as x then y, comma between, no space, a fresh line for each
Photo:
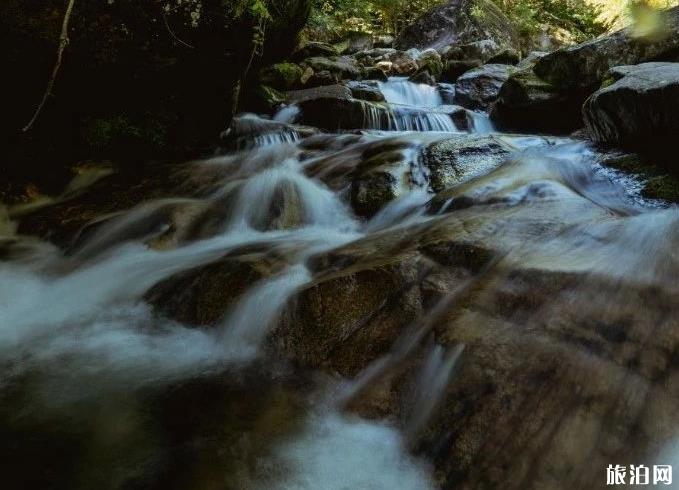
176,38
63,42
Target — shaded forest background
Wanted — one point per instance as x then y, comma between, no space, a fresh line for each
162,79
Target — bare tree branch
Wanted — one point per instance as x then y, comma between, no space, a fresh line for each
174,36
63,42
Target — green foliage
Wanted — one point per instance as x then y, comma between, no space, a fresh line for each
108,133
578,18
335,17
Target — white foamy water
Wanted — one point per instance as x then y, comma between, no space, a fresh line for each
246,326
306,201
402,91
339,453
287,114
481,123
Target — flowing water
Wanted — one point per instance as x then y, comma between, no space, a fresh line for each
100,388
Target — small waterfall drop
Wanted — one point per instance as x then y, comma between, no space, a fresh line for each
249,321
480,122
287,114
399,90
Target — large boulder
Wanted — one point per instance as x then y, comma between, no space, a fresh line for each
584,66
640,108
458,22
479,88
528,103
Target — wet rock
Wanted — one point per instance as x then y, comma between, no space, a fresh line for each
342,67
640,108
124,188
563,353
447,91
336,109
458,159
323,78
506,56
584,66
247,128
376,73
479,88
657,182
454,69
361,309
329,91
312,49
202,296
423,77
333,113
381,177
527,103
482,50
366,91
458,22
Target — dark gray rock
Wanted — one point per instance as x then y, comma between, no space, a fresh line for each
375,73
460,158
453,69
329,91
343,67
528,103
584,66
507,56
366,91
482,50
640,108
479,88
459,22
313,49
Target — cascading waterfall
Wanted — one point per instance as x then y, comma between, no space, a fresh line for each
80,338
403,118
275,138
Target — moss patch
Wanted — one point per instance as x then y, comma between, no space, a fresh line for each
658,184
282,76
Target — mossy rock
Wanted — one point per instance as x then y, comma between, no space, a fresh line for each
658,184
282,76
